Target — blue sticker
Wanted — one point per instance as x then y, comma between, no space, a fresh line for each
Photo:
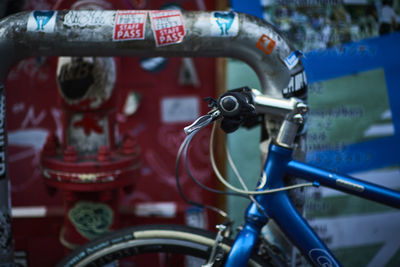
42,21
224,24
293,59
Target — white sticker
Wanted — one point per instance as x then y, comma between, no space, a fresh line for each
129,25
179,109
42,21
167,26
297,83
85,18
156,209
224,24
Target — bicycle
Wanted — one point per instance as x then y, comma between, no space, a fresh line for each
270,199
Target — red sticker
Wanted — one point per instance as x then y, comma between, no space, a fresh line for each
129,25
266,44
167,26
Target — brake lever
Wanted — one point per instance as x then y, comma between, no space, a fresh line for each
202,122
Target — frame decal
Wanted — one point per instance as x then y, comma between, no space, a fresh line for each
350,185
321,258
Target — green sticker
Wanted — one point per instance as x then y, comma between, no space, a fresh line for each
91,219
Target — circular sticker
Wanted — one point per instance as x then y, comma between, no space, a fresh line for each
91,219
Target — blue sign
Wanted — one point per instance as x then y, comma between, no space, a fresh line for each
367,67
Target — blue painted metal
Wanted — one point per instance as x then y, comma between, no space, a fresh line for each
278,207
345,183
244,244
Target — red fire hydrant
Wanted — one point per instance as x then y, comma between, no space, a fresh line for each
90,164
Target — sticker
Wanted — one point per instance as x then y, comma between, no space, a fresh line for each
266,44
297,85
2,134
129,25
196,217
156,209
153,64
224,24
167,27
85,18
42,21
179,109
293,59
91,219
188,74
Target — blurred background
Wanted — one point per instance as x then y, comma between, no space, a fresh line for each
351,59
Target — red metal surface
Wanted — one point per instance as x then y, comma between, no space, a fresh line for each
33,112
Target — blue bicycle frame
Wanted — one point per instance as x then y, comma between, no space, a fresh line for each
278,206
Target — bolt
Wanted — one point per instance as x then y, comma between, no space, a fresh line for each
129,145
298,118
70,154
104,154
302,108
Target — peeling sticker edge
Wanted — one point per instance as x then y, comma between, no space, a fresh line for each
178,13
292,60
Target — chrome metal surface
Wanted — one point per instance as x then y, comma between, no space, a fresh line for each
77,33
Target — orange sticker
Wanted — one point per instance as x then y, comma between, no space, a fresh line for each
266,44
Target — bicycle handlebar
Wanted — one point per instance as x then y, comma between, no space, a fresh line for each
240,106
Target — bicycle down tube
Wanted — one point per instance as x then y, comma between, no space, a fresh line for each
91,33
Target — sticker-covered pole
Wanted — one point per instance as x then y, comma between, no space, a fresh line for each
166,33
6,244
